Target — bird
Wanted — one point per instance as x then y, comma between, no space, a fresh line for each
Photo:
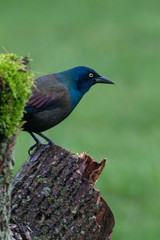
54,97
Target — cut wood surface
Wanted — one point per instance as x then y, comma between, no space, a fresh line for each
53,198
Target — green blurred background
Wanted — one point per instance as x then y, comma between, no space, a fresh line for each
120,40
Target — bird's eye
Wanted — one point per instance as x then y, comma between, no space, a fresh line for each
91,75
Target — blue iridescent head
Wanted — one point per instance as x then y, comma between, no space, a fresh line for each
82,78
79,80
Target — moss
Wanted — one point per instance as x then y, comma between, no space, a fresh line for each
16,81
74,211
44,180
64,192
8,174
53,169
51,199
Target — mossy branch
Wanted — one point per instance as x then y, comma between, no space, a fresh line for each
16,81
15,88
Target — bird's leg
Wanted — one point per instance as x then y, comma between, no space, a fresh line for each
46,138
38,142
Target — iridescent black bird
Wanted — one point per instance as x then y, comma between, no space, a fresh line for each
55,96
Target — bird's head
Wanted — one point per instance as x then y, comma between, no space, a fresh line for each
82,78
79,80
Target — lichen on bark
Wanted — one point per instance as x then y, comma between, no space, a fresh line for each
53,197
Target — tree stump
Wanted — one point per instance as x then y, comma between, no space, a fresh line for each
53,198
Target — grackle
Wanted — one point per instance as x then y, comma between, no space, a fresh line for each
55,96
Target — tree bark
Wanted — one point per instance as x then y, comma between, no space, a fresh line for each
6,169
53,198
15,88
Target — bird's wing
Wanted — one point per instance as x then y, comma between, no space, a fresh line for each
40,102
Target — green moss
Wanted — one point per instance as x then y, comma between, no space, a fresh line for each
16,81
74,211
51,199
53,169
44,180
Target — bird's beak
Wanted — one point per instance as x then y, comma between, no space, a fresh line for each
102,79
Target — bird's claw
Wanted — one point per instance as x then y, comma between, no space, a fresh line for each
38,142
34,146
51,143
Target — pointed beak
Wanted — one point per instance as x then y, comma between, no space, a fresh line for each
102,79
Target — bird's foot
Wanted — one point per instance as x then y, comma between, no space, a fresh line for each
46,138
33,147
38,142
50,142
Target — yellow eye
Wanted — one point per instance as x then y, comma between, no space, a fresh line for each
91,75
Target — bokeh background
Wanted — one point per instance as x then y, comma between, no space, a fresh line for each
120,40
